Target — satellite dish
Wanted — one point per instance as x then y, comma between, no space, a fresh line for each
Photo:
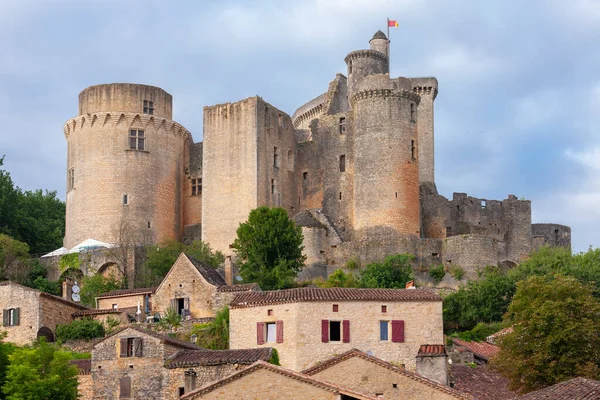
75,289
75,297
239,278
370,353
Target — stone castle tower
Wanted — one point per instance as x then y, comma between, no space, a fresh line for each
354,167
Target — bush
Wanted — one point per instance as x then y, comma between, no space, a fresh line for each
171,320
214,335
83,329
339,278
393,273
437,273
457,272
274,357
480,332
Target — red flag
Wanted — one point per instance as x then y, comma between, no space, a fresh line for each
392,23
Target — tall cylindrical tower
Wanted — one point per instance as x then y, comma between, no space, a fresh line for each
124,166
362,63
386,168
380,43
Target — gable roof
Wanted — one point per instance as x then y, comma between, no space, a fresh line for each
44,294
481,382
576,388
328,386
309,294
126,292
208,273
196,358
360,354
163,338
483,350
242,287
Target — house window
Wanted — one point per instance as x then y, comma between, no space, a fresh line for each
276,157
383,330
383,309
397,331
413,150
131,347
342,126
269,312
271,332
11,316
125,387
181,391
305,175
412,112
125,199
342,163
115,306
136,139
148,107
196,186
335,331
70,179
336,307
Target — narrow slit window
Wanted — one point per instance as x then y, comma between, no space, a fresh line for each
448,231
148,107
304,175
272,186
342,126
413,112
342,163
413,150
71,179
137,139
276,157
125,199
340,195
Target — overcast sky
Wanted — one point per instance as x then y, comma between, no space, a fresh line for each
519,81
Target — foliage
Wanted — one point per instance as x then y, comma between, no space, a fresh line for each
214,335
5,350
393,273
79,356
353,263
457,272
171,319
80,329
269,246
437,272
94,286
274,357
556,321
12,252
44,285
339,278
34,217
69,261
480,332
40,372
111,324
160,259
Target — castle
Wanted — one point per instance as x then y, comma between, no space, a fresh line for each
354,167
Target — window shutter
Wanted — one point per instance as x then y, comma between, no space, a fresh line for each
398,331
17,316
123,348
4,317
260,333
125,385
346,328
186,303
279,331
137,347
324,331
174,304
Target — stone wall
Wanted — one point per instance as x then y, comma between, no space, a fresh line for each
192,203
123,302
28,301
54,312
204,376
427,89
85,386
551,235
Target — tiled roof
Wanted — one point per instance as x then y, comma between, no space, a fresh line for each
196,358
483,350
46,295
84,365
309,294
243,287
126,292
97,312
574,389
358,353
492,338
161,337
480,382
209,273
328,386
432,350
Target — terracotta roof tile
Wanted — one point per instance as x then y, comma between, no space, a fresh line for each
480,382
574,389
298,295
84,365
160,336
483,350
328,386
243,287
432,350
196,358
127,292
98,312
358,353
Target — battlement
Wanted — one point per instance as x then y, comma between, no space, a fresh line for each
356,54
386,94
425,86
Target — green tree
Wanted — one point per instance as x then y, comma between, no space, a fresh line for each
215,334
40,372
5,350
80,329
393,273
269,246
556,321
8,201
94,286
159,259
339,278
12,253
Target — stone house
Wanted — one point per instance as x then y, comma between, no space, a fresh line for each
28,314
359,371
134,363
269,382
126,298
310,325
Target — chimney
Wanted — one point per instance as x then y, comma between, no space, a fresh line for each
432,363
228,271
67,289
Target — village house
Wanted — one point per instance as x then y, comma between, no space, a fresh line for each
310,325
134,363
28,314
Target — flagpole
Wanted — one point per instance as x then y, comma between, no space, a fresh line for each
389,44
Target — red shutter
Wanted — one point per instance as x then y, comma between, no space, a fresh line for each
398,331
346,329
260,333
279,331
324,331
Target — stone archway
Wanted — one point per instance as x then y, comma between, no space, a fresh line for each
111,269
46,333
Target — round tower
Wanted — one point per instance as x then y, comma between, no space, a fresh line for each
386,168
362,63
380,43
124,166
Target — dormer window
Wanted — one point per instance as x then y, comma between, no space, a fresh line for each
148,107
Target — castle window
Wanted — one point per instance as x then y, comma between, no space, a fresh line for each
196,186
290,160
276,157
349,67
483,204
70,179
148,107
342,163
413,112
149,224
340,195
448,231
125,199
413,150
280,121
305,175
272,186
267,119
136,139
342,126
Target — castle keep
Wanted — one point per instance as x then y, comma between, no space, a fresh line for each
354,167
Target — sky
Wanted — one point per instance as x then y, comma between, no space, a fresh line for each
517,112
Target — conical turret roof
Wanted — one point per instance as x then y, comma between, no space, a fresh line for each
379,35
